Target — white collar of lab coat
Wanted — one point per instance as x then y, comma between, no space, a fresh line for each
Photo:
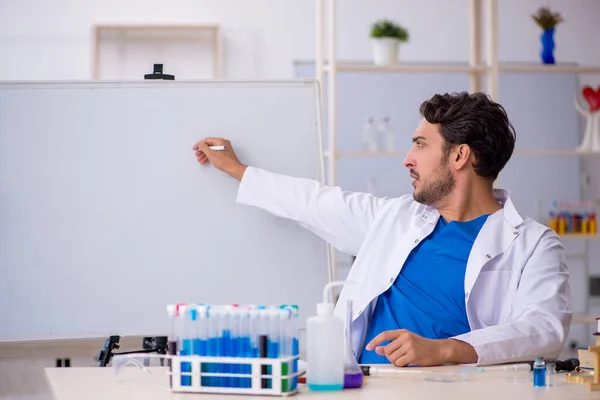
495,236
511,215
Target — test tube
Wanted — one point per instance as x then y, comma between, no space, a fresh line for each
194,338
172,338
263,343
274,333
202,349
226,347
236,343
212,346
253,323
186,344
285,345
245,345
221,322
295,344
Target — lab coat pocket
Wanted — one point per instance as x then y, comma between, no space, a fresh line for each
492,294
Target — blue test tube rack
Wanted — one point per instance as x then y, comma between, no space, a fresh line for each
233,349
196,375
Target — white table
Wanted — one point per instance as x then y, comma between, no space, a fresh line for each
101,384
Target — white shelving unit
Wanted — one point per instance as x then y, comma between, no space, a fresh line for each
478,67
166,31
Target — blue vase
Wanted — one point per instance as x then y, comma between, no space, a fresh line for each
547,39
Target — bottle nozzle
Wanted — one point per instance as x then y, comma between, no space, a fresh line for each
328,287
326,307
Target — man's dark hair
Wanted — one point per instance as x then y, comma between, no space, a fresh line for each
477,121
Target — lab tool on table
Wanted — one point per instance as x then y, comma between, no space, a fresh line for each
539,372
550,374
325,346
353,375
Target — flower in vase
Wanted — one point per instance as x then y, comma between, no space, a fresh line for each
547,20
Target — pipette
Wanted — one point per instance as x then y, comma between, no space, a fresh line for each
369,370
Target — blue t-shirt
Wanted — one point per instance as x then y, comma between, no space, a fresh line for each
428,296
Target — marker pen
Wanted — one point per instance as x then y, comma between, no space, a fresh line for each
216,148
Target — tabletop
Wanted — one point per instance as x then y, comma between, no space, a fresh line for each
132,383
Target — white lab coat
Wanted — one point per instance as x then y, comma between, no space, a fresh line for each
516,282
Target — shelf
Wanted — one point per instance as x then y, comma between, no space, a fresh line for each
355,154
536,153
583,319
579,236
126,27
417,67
458,67
549,68
518,153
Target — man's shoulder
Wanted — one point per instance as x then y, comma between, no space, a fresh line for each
535,229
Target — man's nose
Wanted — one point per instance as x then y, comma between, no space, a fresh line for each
409,161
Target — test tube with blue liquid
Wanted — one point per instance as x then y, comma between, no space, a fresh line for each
295,343
245,346
253,317
275,325
212,345
227,343
186,343
201,344
238,331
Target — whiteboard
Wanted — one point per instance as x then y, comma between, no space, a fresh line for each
106,216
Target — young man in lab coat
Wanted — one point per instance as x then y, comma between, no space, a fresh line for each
450,274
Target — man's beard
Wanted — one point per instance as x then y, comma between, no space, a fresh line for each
437,186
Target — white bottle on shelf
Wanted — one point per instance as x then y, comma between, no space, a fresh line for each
325,347
387,134
371,185
369,135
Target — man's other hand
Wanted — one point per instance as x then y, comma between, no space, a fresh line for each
409,348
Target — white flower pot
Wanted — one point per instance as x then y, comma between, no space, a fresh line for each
385,50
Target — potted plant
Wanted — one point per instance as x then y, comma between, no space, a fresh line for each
386,37
547,20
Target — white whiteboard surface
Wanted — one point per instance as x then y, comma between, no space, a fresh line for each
106,216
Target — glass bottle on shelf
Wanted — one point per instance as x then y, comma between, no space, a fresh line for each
387,134
369,135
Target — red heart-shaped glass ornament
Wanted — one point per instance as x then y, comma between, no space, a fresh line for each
592,97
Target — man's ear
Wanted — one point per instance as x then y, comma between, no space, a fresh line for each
460,156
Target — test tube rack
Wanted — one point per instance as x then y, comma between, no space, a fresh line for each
279,384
